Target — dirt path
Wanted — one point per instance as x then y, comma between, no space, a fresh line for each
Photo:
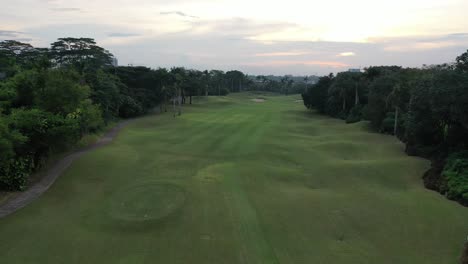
19,200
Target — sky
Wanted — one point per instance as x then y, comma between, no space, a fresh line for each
298,37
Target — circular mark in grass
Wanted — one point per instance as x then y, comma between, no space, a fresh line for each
144,203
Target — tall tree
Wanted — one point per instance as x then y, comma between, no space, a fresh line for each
105,91
394,99
462,62
218,80
81,53
23,55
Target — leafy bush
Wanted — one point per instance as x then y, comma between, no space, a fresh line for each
456,174
105,92
24,84
7,96
15,173
88,116
224,91
342,115
13,170
334,107
129,107
62,93
45,131
388,123
355,115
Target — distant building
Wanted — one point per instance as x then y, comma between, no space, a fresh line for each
115,62
2,75
354,70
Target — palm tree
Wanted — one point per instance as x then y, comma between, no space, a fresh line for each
165,92
343,96
286,81
394,99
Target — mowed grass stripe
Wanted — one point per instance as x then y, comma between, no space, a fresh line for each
256,247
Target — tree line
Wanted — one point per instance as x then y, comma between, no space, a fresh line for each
52,97
426,108
281,84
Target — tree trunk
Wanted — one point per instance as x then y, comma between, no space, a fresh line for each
344,104
180,101
190,99
395,127
356,100
173,105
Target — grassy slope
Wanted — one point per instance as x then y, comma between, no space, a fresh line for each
263,183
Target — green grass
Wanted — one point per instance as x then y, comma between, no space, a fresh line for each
234,181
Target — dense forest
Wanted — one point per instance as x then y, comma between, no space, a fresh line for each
425,108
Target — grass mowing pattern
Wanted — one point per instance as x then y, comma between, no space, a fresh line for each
246,182
146,203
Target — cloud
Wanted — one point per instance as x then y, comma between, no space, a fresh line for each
225,44
237,28
122,35
9,33
66,9
419,46
23,39
178,13
277,63
346,54
425,43
280,54
457,35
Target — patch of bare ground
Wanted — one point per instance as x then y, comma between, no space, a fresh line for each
258,100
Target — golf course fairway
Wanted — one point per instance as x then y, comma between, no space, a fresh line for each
237,180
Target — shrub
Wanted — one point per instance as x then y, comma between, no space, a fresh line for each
224,91
88,116
45,131
456,174
14,174
334,107
355,115
388,123
62,92
13,170
129,107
